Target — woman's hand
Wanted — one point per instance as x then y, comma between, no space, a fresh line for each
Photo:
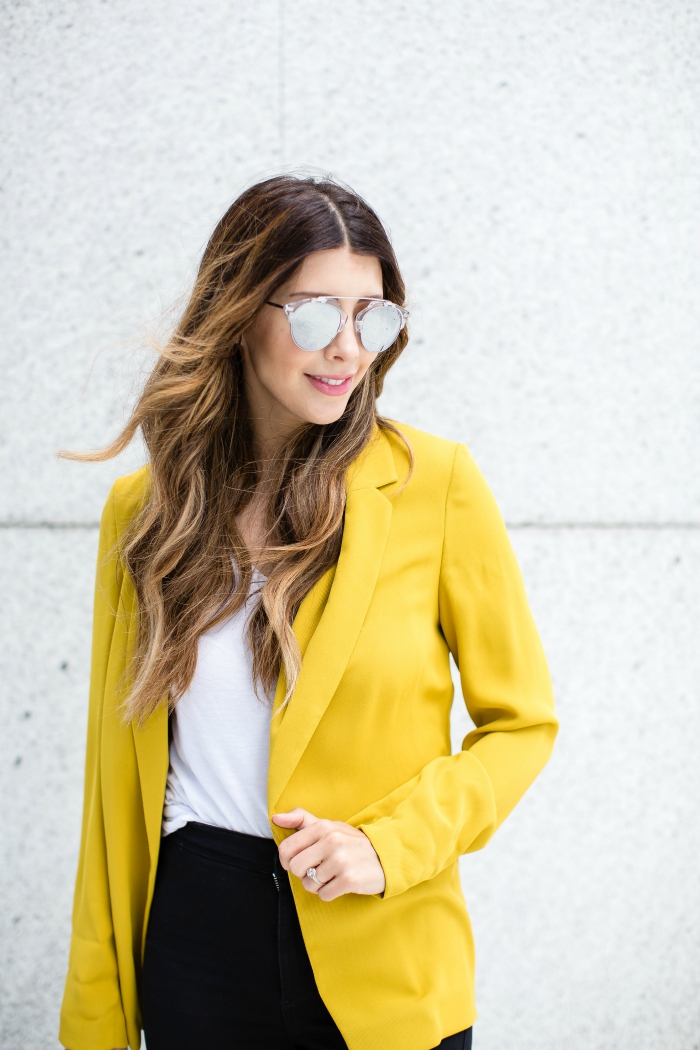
344,858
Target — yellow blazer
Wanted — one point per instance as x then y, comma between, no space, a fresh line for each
423,572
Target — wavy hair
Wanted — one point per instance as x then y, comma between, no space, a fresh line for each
183,550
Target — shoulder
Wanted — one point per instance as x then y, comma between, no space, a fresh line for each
433,457
441,467
127,496
428,446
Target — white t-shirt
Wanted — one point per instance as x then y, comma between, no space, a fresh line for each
220,744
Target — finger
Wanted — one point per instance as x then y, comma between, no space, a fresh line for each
309,885
295,818
301,840
323,874
308,858
332,889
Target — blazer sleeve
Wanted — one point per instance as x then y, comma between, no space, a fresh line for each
456,802
92,1017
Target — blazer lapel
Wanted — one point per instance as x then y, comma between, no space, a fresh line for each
150,742
327,629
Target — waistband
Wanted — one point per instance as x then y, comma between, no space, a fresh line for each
250,851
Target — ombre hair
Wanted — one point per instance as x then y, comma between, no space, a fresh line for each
183,550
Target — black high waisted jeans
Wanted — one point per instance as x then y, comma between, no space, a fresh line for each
225,965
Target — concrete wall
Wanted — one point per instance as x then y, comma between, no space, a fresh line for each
537,163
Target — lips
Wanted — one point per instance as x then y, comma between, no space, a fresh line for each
333,386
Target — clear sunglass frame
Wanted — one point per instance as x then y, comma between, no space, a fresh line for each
291,308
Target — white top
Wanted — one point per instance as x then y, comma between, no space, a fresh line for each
220,744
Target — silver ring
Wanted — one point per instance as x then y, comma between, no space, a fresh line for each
311,874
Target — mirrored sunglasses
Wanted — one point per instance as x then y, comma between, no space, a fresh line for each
314,323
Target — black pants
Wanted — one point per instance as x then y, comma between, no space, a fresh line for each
225,965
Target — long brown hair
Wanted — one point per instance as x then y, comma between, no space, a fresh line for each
183,550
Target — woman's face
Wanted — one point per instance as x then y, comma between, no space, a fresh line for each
285,384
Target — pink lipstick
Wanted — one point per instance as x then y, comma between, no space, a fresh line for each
332,385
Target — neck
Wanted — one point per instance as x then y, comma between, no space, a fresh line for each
269,437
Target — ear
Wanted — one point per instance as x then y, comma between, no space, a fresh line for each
247,338
243,346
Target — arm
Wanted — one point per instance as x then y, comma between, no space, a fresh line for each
456,802
91,1015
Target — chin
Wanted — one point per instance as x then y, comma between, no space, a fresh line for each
326,414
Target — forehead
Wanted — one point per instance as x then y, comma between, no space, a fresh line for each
338,272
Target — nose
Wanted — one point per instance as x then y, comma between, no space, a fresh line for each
345,346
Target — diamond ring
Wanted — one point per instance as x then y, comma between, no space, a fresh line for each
311,874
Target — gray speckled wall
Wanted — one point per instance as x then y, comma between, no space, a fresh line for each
537,163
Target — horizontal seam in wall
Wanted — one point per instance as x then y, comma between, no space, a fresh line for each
53,525
657,526
550,526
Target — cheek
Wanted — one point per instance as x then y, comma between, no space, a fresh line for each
280,368
275,357
366,362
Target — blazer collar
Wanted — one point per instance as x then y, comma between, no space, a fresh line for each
375,466
332,614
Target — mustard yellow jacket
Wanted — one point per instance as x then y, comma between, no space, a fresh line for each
424,571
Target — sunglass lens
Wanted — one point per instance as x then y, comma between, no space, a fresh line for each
380,326
315,325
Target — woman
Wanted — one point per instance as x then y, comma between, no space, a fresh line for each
273,815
